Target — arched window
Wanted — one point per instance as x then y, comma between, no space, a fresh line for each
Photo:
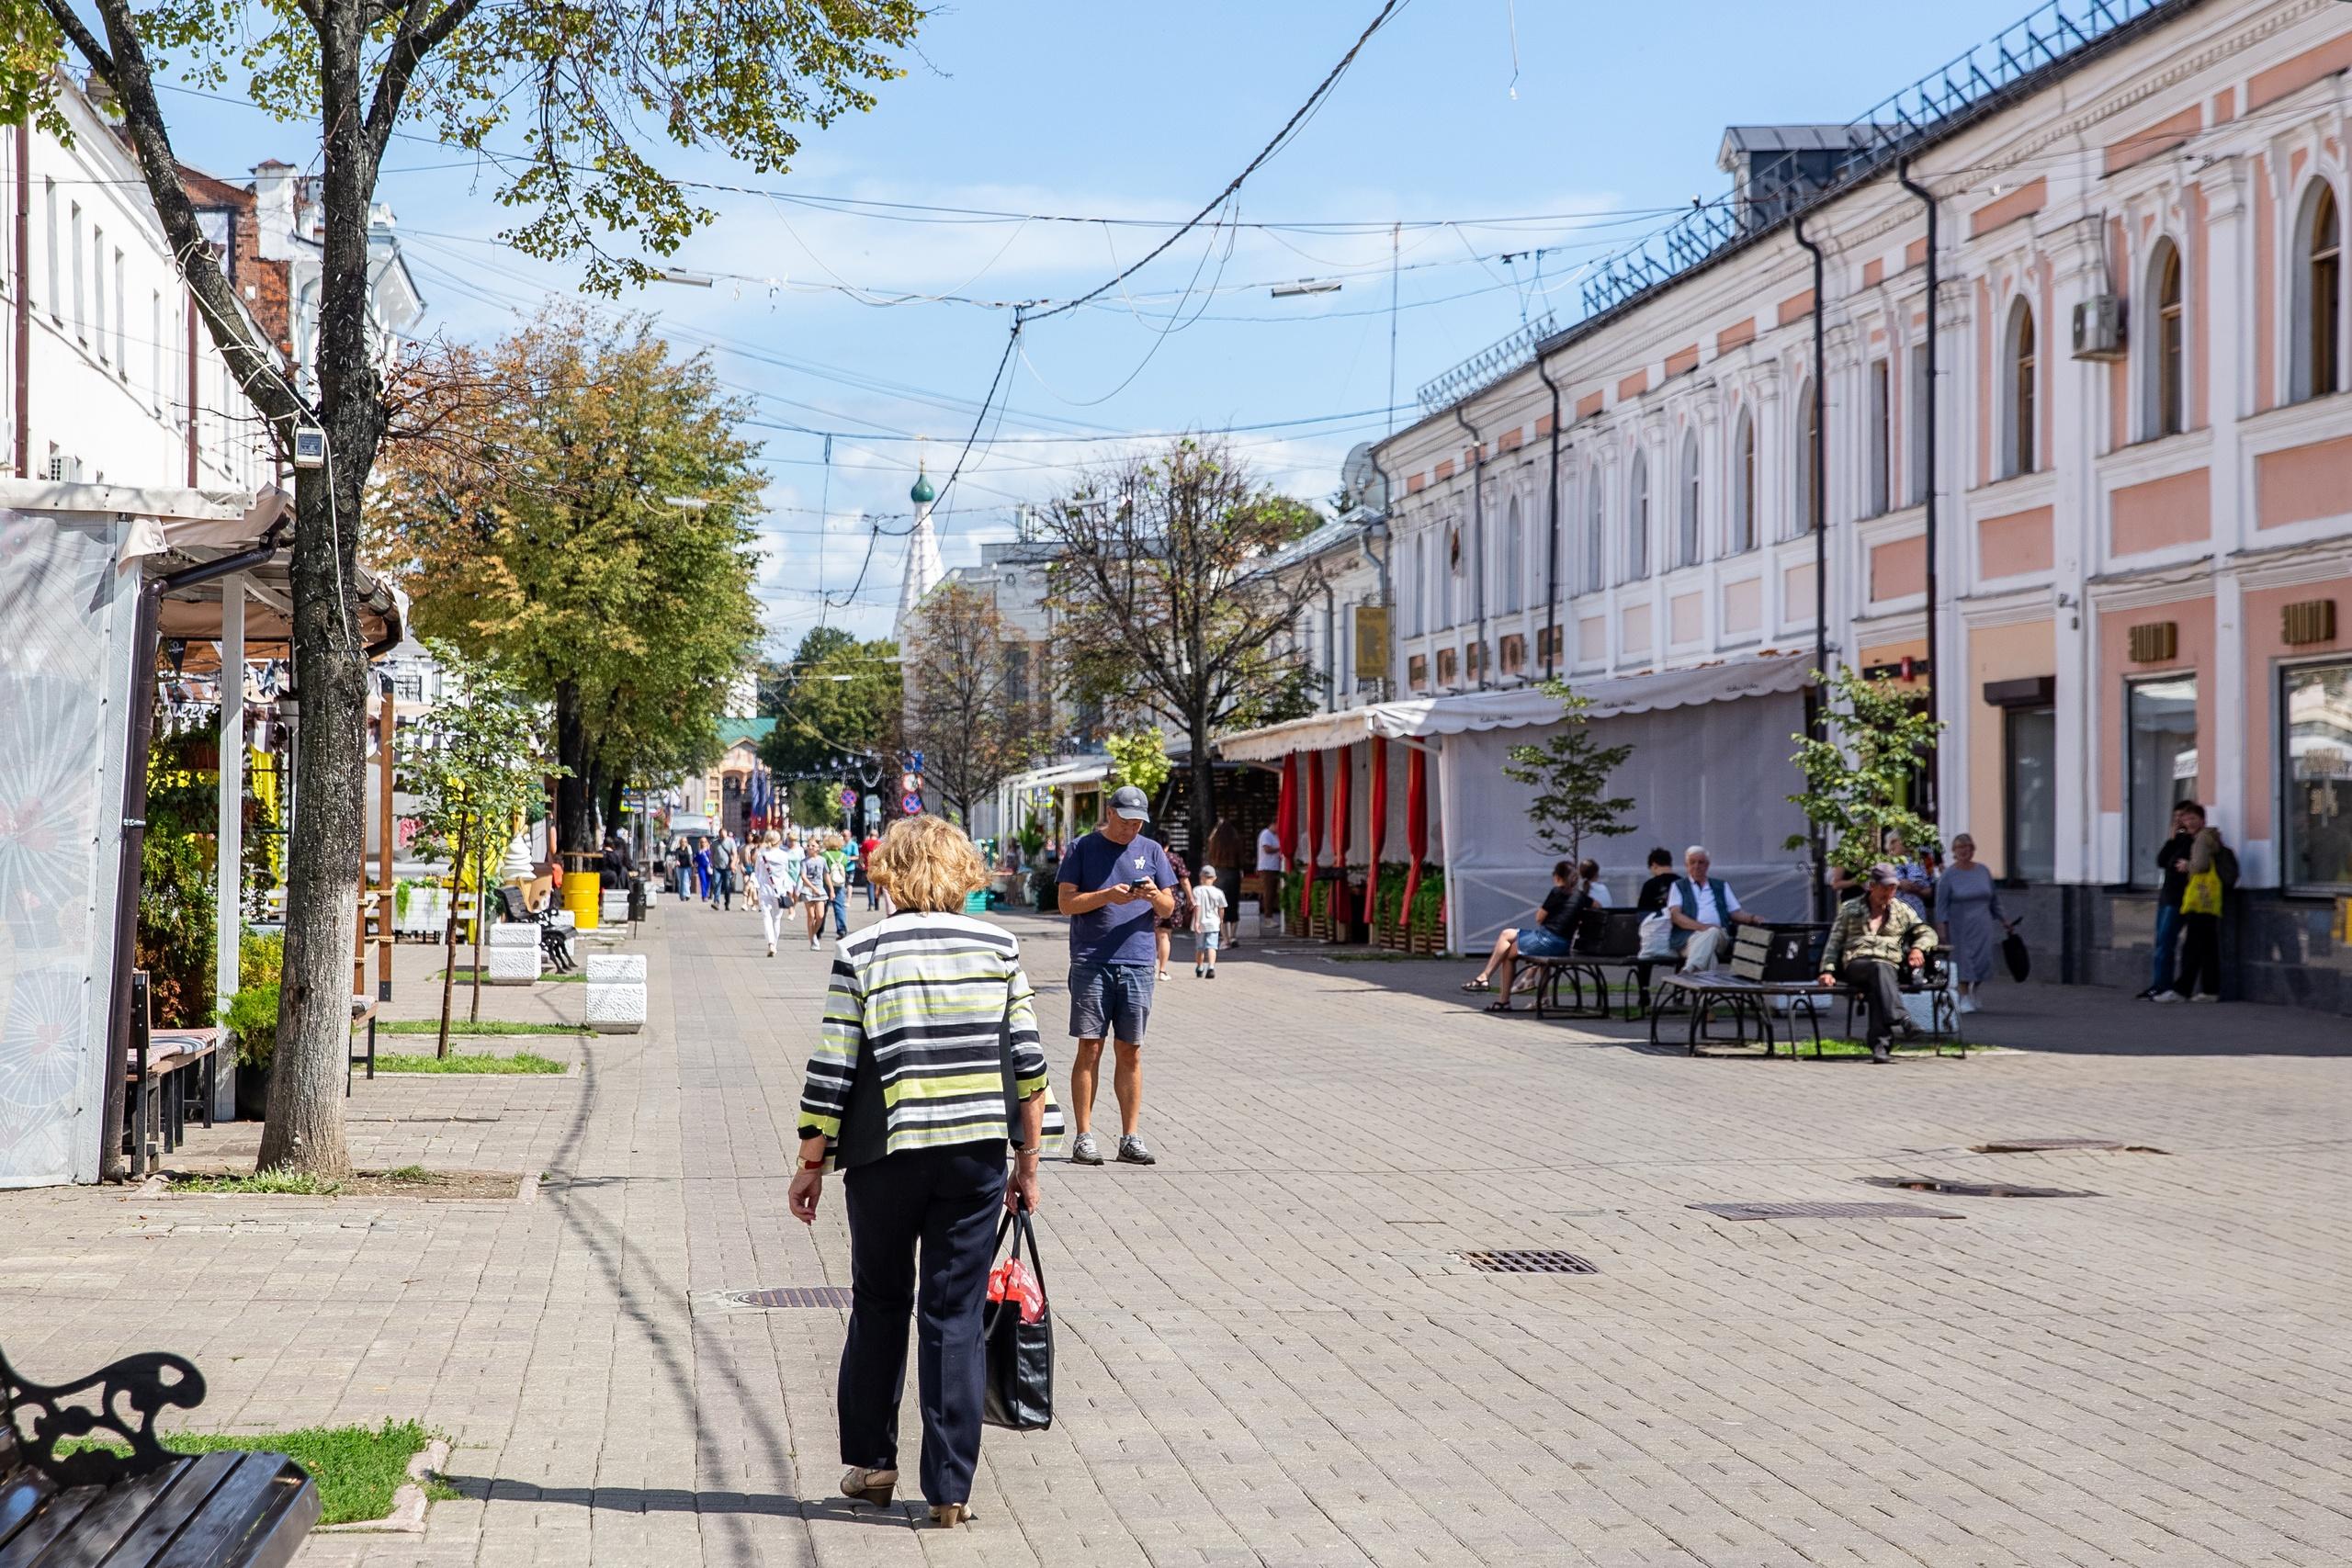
2018,430
1743,485
1514,561
1808,423
2319,304
1596,539
2167,407
1637,520
1686,505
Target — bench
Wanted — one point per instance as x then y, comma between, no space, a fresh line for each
146,1509
1575,968
1746,1000
164,1065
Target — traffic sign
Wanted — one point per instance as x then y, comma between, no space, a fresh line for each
849,798
910,803
909,784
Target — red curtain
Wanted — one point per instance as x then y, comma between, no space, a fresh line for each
1417,825
1314,830
1343,788
1378,824
1286,811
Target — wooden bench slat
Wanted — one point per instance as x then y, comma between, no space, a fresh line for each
192,1487
24,1548
112,1517
256,1517
21,1496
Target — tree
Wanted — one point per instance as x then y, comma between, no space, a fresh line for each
477,768
583,513
1859,785
1172,601
1140,759
1569,773
964,711
573,82
837,703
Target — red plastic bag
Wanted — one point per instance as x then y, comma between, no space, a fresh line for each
1011,1280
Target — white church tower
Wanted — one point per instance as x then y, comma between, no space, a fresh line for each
924,567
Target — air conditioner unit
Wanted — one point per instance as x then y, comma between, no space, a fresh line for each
2098,327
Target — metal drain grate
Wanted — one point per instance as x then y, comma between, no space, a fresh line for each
1825,1212
1528,1262
790,1296
2062,1145
1971,1188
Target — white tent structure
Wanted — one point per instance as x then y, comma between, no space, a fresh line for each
91,577
1711,744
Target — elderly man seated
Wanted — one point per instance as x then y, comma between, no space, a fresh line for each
1875,937
1703,911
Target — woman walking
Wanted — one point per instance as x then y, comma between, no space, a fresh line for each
930,1002
701,871
810,891
771,886
1968,907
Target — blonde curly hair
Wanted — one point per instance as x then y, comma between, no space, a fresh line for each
927,862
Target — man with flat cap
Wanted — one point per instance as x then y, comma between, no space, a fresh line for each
1877,936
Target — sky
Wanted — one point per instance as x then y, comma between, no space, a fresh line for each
1519,142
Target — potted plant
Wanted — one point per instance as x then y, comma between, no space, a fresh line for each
1426,918
251,1018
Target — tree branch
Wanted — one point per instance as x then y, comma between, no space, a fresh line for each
416,38
69,22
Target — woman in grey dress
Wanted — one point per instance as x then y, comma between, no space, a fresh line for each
1968,909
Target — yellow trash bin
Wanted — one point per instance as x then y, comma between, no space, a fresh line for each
583,896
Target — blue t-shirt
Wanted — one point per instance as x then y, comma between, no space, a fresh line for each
1115,933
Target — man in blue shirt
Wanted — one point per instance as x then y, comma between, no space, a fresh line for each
1114,886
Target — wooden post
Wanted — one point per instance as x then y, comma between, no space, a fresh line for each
385,904
449,941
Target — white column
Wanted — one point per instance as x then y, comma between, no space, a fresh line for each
2228,377
229,910
2076,531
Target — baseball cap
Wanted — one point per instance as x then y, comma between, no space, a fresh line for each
1129,802
1884,876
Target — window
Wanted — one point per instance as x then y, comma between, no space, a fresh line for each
2315,713
81,314
121,363
2319,308
2166,409
1687,551
2161,749
56,279
1514,561
1595,540
2029,803
1808,445
1743,485
1637,520
1881,435
2018,430
99,287
155,348
1915,420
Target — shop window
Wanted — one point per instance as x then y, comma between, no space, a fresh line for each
2166,414
2029,798
2316,711
2319,296
1637,521
1743,485
2160,716
2019,429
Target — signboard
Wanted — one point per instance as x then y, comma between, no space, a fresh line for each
1371,642
909,784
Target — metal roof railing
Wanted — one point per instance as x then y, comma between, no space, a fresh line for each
1486,366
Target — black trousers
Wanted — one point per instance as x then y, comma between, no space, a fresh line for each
1882,992
947,1201
2200,955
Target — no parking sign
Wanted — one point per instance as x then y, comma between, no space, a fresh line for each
910,803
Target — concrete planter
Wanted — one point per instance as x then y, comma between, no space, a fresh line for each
513,953
616,985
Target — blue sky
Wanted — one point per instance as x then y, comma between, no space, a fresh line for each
1143,113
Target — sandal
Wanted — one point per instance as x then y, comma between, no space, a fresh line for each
1501,1004
1476,985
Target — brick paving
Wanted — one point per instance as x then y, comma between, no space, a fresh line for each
1268,1352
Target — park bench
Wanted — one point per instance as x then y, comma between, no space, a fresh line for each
1608,943
1700,998
553,942
148,1507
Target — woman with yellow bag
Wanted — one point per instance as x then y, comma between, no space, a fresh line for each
2212,872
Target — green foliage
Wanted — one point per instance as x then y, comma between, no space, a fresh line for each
252,1017
521,1063
1859,783
476,762
261,957
176,915
836,703
282,1181
1428,913
1570,775
1139,759
480,1026
358,1469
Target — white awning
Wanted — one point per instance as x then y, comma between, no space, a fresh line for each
1065,773
1524,706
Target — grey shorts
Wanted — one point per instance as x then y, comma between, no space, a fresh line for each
1110,1001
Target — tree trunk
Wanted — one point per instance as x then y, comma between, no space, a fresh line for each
613,791
1203,788
574,801
449,942
481,873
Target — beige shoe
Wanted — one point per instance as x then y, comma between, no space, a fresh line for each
948,1515
873,1486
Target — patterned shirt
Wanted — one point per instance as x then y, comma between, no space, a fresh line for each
1851,939
928,995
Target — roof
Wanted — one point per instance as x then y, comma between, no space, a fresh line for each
1741,140
733,731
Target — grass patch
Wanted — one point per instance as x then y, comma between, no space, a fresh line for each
1902,1048
416,1173
466,973
279,1180
479,1027
525,1063
357,1468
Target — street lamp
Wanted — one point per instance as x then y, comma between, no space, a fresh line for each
1305,286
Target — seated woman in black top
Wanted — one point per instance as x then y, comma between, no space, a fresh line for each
1555,928
1660,886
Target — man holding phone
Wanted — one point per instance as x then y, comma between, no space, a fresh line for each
1115,885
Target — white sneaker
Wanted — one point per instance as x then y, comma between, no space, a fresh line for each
2167,996
1968,1004
2204,997
771,950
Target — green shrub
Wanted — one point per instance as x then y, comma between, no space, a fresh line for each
261,957
252,1017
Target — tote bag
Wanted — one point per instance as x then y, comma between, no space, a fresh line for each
1019,1394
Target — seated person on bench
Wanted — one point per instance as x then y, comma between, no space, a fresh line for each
1549,937
1873,937
1702,913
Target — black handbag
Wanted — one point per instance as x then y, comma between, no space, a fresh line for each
1020,1389
2014,954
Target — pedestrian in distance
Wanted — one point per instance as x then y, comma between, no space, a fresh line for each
703,871
1115,885
2172,865
1874,940
2212,873
793,856
836,860
865,848
912,998
1164,929
725,859
810,891
1552,934
1968,907
1208,922
771,886
1272,864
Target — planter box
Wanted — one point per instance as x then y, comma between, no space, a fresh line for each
614,907
615,985
513,953
427,914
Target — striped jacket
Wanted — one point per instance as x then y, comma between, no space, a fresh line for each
928,994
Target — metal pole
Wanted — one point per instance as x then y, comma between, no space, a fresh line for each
1935,664
1820,507
1552,535
229,891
